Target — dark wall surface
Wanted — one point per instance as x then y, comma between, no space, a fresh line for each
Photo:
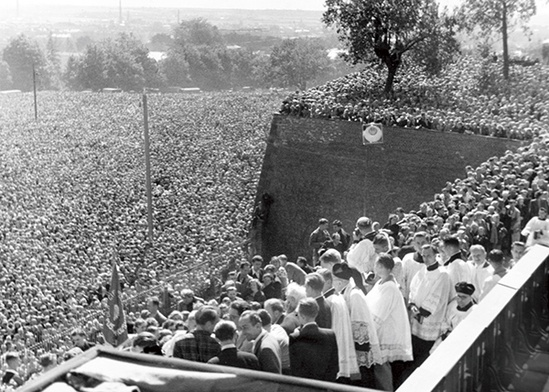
317,168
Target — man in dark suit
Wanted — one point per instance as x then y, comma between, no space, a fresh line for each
313,350
266,347
225,333
314,284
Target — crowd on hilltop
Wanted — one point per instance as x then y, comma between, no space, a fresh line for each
462,99
72,200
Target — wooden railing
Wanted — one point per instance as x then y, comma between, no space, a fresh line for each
486,351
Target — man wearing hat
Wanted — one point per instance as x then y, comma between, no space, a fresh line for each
318,237
460,307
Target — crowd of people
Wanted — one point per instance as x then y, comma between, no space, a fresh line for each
72,200
369,305
462,99
375,300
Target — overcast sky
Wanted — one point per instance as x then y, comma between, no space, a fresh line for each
233,4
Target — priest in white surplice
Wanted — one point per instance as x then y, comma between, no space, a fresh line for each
429,293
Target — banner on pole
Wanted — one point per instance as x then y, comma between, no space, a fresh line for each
115,329
372,133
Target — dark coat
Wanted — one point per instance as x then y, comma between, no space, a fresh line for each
236,358
324,318
313,353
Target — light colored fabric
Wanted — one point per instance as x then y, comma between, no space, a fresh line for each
341,325
455,316
533,225
391,320
479,273
410,267
452,319
284,341
458,271
398,273
362,325
430,290
488,285
167,348
362,256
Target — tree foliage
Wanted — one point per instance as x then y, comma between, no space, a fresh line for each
497,16
387,29
122,63
5,76
297,61
20,55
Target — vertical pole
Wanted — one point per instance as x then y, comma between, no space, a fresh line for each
34,90
148,168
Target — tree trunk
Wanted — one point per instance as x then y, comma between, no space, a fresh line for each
505,39
392,70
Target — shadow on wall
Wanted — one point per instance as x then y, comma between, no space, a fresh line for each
316,168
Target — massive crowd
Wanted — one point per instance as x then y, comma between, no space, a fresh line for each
467,97
72,200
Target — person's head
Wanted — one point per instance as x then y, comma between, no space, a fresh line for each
153,303
283,259
257,262
420,238
275,262
384,265
301,261
307,310
244,267
314,284
144,342
464,293
450,246
517,250
364,225
542,214
231,276
323,224
294,293
187,296
496,258
336,225
206,318
250,324
266,319
342,274
329,259
275,307
12,360
268,279
232,293
478,254
78,337
47,361
382,243
429,254
236,309
140,325
225,332
328,278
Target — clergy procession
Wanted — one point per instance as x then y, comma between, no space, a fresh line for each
366,315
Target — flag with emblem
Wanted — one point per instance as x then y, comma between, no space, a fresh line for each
115,329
